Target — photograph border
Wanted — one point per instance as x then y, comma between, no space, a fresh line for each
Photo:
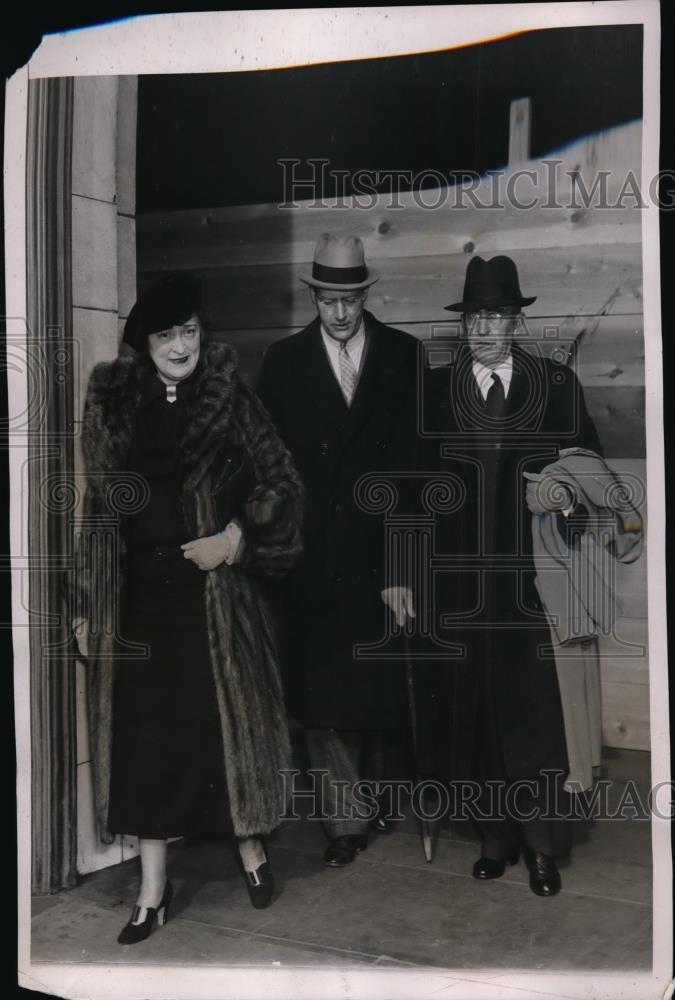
318,36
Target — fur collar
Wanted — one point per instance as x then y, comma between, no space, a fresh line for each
114,396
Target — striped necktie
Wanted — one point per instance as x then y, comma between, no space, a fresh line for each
348,374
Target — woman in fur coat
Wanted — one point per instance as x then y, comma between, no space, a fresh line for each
192,500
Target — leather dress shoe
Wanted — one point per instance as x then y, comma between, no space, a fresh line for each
544,876
259,882
342,850
259,885
138,930
489,868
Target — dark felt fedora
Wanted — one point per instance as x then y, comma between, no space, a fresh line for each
340,265
169,302
491,284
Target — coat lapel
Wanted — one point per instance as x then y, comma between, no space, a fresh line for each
114,398
209,412
314,369
439,392
457,404
377,372
378,368
526,400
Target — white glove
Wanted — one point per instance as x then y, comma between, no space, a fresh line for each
209,552
400,600
235,537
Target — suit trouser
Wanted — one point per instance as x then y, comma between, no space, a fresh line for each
502,832
510,813
347,757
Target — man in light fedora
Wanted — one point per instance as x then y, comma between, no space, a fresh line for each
341,393
500,412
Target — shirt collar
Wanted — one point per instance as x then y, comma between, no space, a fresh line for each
354,343
483,374
154,388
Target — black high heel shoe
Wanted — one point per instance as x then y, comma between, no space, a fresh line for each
259,883
135,930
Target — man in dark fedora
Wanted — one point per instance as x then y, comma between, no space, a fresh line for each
493,716
341,393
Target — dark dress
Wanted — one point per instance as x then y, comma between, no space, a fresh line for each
167,775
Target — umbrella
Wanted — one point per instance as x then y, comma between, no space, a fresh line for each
426,825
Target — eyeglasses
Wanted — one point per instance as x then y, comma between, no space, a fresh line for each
490,314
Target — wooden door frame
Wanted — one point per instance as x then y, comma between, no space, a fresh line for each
49,467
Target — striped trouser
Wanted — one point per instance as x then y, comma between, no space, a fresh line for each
339,755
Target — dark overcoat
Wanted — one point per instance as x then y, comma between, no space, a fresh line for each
333,597
487,587
224,419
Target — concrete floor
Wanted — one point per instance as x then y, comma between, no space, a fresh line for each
389,908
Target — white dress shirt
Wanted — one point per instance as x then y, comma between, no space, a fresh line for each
355,347
483,375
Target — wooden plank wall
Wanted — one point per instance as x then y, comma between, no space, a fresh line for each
584,265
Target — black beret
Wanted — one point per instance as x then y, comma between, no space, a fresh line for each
169,302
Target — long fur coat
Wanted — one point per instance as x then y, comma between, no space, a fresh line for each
222,414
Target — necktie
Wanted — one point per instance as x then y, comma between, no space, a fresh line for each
347,373
495,399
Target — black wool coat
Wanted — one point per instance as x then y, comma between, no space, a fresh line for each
487,587
225,425
333,597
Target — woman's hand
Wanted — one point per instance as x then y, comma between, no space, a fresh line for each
209,552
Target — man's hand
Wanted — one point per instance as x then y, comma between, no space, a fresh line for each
81,633
400,600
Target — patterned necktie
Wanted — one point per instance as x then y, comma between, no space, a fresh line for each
495,399
348,374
